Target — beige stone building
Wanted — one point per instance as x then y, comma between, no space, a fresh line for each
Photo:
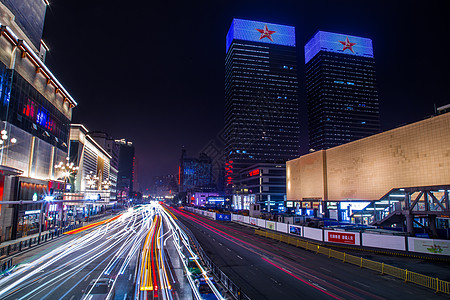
414,155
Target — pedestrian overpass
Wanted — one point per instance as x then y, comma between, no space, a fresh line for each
409,207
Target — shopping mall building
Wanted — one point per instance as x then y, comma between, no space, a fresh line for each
402,176
35,115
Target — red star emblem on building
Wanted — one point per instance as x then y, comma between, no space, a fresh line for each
266,33
347,45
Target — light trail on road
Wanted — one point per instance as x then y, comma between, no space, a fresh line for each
127,254
102,252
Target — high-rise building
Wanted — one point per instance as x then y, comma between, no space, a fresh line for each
125,176
261,99
195,173
214,149
341,89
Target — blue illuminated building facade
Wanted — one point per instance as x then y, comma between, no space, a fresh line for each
261,98
341,89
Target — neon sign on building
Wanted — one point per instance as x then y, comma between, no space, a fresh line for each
254,172
262,32
338,43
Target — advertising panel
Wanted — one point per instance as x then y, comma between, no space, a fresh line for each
215,200
223,217
341,237
260,32
254,221
270,225
297,230
438,247
338,43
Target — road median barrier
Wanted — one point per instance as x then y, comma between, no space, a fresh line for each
435,284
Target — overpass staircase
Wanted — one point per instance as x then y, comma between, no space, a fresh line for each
409,208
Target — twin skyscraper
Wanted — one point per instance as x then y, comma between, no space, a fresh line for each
262,93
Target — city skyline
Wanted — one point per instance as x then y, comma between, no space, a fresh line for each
166,92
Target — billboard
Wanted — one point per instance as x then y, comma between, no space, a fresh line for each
341,237
338,43
297,230
30,16
223,217
261,32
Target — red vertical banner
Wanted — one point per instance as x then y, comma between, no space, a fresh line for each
2,184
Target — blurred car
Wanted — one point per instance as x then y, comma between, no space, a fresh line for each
193,268
99,289
204,289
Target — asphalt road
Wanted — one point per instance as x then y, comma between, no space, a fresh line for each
267,269
64,269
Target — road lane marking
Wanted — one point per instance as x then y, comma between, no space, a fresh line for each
87,277
325,269
228,249
220,244
361,284
239,257
73,296
320,287
129,277
125,296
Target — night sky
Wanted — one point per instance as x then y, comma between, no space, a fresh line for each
153,72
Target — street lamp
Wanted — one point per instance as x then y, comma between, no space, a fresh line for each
67,170
4,138
92,180
106,184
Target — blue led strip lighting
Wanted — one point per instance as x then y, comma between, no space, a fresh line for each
260,32
338,43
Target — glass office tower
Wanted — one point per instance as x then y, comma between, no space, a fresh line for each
341,89
261,100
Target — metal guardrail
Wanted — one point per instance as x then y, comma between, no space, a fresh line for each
435,284
27,244
5,265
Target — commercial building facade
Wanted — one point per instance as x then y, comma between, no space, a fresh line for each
113,149
261,100
266,182
341,89
93,178
35,114
412,156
